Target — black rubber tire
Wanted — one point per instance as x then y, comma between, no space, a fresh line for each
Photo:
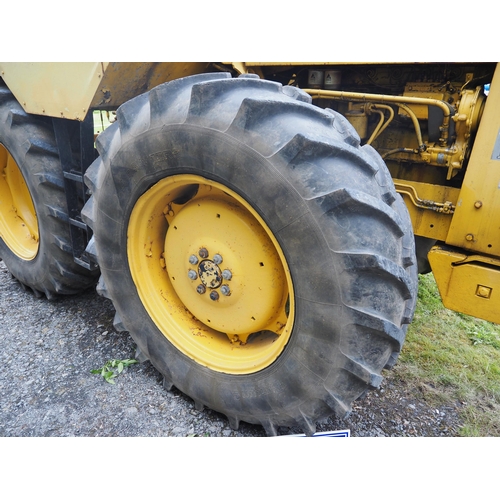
330,203
30,141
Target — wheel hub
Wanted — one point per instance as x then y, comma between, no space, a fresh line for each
239,278
210,274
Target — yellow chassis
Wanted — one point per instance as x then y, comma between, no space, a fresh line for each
466,220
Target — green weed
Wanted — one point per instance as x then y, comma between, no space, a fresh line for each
113,368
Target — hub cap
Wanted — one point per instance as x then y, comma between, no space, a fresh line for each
211,274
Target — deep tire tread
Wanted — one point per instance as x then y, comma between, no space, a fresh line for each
51,180
380,266
360,371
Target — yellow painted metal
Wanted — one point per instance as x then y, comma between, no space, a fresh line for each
123,81
476,223
69,90
211,274
54,89
18,221
431,207
467,284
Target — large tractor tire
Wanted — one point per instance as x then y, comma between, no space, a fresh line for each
259,257
35,241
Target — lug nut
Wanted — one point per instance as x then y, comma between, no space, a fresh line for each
201,289
192,275
203,253
193,259
227,274
214,295
217,259
225,290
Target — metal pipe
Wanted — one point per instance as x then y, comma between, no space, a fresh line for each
414,119
389,120
445,208
378,127
381,98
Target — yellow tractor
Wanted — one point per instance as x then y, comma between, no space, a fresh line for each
259,227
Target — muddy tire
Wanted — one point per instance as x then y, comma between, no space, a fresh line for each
35,241
197,166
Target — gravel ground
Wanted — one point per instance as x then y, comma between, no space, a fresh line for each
47,389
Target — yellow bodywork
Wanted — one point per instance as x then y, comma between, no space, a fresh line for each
476,222
69,90
468,271
467,283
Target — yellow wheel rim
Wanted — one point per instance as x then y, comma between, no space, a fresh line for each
211,274
18,222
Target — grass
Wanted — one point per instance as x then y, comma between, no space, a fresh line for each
102,120
458,357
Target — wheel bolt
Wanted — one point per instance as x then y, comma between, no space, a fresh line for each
192,275
227,274
193,259
203,253
214,295
225,290
201,289
217,259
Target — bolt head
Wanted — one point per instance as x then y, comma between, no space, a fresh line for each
214,295
193,259
201,289
225,290
483,291
217,259
203,253
227,274
192,275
